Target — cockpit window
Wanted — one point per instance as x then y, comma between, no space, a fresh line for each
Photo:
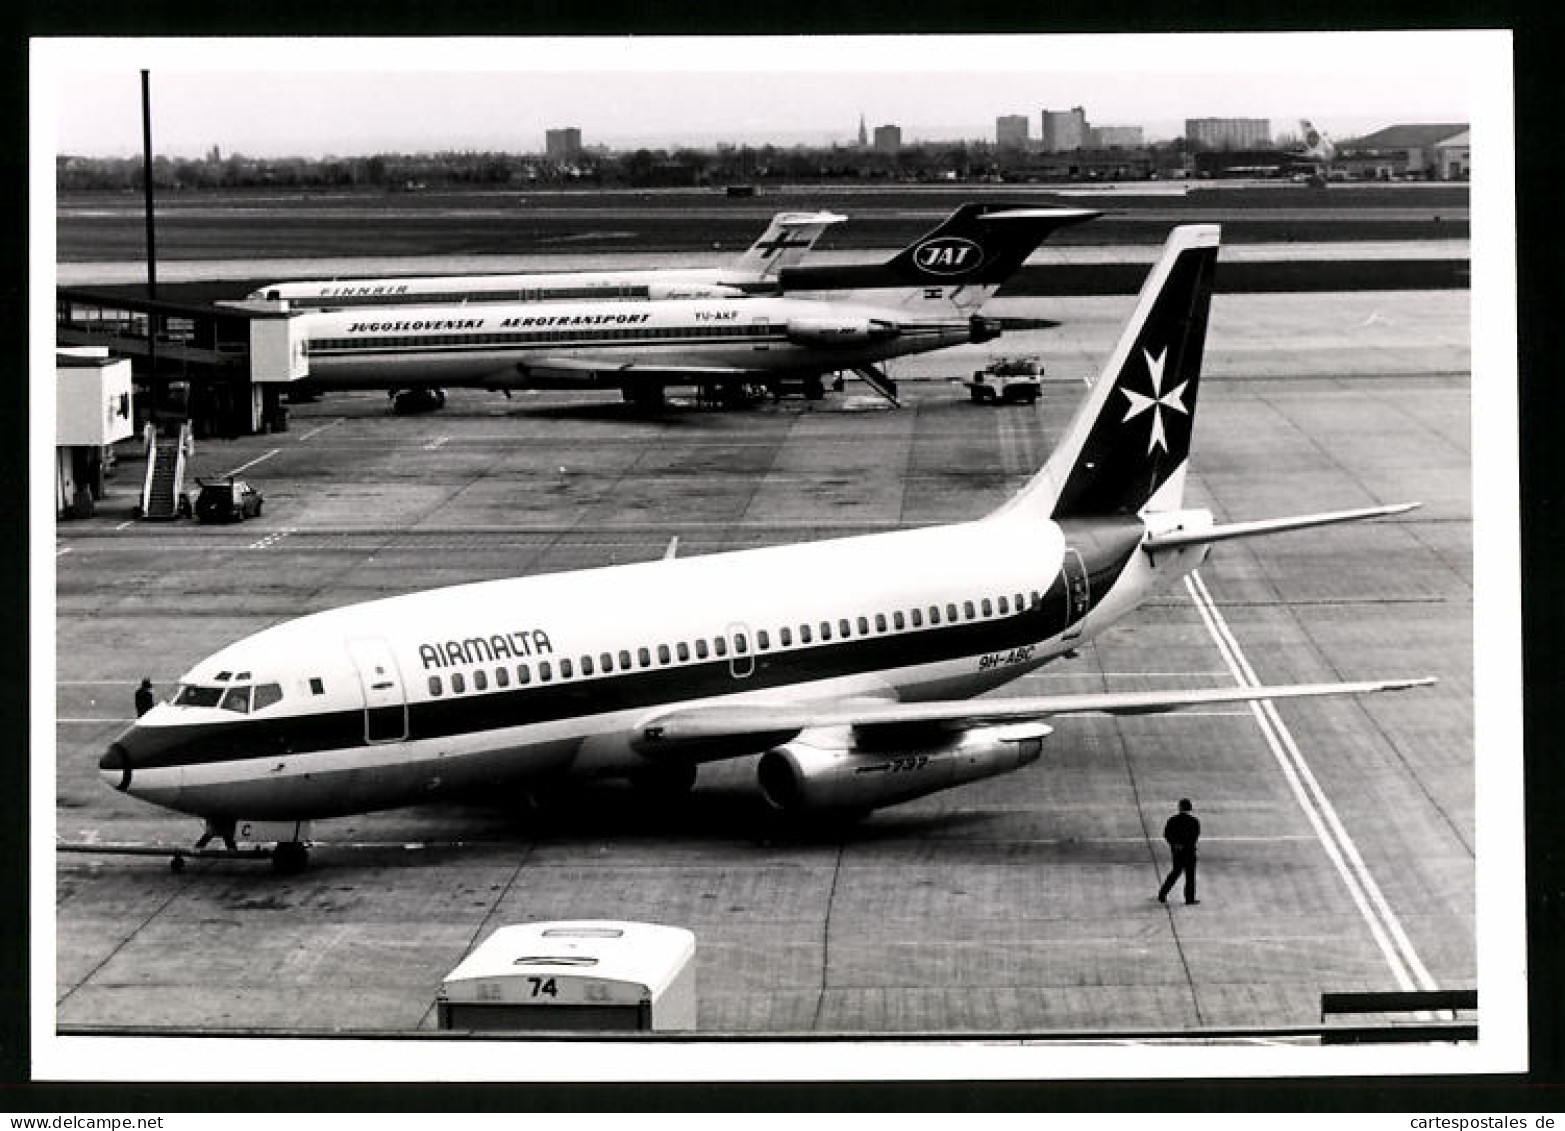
192,695
236,698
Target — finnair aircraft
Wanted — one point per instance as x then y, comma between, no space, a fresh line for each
924,298
850,666
785,241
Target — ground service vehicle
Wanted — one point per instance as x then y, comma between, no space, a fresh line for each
1006,381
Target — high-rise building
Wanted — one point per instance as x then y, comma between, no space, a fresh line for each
1114,137
563,144
1010,131
888,139
863,133
1064,130
1228,133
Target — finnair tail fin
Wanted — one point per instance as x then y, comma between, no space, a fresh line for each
786,240
960,264
1127,448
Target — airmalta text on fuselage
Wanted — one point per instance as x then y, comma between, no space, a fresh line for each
485,649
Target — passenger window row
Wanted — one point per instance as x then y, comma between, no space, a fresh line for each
843,628
524,337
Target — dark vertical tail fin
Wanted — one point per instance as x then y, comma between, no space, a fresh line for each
1126,450
981,244
957,265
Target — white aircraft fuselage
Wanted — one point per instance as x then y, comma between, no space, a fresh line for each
500,344
784,242
502,682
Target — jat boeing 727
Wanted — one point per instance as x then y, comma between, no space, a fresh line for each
850,666
926,297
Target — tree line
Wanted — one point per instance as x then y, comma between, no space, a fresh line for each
960,160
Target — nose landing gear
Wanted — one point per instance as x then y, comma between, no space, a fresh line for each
289,854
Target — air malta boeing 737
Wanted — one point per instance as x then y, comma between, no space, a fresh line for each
924,298
785,241
849,666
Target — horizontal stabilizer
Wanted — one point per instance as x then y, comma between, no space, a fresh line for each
1173,540
694,724
801,219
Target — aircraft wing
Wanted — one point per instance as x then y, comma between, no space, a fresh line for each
703,724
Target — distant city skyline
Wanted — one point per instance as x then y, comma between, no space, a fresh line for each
278,98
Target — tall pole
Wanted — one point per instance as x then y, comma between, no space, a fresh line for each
146,181
152,255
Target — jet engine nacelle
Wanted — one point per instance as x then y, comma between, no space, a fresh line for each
838,331
982,329
802,776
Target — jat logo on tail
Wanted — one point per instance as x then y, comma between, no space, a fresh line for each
948,255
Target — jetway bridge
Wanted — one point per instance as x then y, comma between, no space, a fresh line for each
197,354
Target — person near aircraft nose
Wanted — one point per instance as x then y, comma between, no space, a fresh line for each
1181,831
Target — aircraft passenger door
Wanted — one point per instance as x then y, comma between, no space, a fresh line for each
758,328
741,651
385,706
1078,592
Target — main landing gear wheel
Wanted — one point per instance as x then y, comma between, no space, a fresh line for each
643,396
425,399
290,858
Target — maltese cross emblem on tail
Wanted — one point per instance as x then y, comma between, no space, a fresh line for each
1157,402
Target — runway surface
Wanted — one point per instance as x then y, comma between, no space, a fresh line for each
1339,846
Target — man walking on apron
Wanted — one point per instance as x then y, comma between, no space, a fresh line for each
1181,832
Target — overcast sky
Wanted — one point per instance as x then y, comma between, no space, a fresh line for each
320,96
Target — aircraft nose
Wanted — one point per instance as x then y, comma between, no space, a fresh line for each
115,767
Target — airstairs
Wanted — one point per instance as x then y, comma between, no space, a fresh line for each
161,491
